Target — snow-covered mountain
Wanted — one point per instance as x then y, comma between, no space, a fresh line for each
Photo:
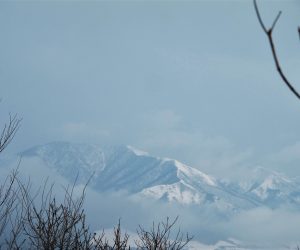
274,189
124,168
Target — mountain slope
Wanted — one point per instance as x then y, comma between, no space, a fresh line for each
124,168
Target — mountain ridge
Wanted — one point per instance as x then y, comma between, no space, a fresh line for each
125,168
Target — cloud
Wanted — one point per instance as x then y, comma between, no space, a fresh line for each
163,133
259,226
286,159
83,131
162,119
256,227
265,226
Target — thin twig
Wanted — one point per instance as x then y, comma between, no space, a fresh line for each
259,17
276,19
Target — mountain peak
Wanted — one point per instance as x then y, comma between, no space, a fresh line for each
136,151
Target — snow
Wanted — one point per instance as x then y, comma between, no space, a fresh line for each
125,168
193,173
137,151
175,192
135,173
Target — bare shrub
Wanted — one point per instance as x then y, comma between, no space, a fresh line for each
119,242
159,237
50,224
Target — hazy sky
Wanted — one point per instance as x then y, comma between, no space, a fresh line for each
193,81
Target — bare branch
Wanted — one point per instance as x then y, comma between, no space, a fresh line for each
11,213
269,33
9,131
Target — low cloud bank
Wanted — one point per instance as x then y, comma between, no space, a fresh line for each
259,226
255,227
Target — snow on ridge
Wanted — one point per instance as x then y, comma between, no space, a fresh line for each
136,151
267,173
131,169
174,192
192,172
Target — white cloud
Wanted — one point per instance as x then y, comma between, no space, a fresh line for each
266,226
163,134
286,159
162,119
83,131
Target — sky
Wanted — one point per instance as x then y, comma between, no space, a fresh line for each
190,80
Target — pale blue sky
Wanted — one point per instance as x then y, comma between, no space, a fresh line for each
193,81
